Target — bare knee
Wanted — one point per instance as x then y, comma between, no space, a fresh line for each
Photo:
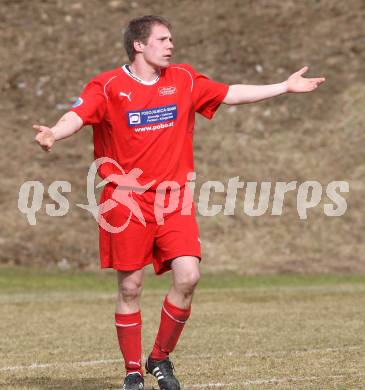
185,282
129,288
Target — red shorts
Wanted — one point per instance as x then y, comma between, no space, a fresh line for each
127,244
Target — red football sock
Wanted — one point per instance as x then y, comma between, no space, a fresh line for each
172,324
129,329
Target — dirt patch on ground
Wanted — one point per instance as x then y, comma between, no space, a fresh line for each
50,49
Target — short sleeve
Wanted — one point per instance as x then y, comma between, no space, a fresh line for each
208,95
91,104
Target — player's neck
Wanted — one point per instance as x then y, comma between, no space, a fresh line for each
144,71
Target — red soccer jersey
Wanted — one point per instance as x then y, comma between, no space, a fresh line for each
148,125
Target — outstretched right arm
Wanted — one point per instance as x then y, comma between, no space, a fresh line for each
68,124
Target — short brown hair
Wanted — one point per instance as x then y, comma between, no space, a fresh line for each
139,29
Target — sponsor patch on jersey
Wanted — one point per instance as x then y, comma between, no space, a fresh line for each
78,102
165,91
152,115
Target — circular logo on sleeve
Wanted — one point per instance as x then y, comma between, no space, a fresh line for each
78,102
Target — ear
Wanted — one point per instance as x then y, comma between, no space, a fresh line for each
138,46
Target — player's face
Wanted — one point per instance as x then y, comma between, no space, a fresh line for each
158,49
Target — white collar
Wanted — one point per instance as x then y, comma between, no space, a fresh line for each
128,71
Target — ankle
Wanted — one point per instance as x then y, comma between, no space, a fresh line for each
157,354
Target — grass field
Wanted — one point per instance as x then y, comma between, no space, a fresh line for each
282,332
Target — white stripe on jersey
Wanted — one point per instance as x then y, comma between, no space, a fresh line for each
107,98
192,80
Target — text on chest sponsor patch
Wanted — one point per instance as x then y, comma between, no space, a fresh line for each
152,115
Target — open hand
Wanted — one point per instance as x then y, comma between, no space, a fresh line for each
297,83
45,137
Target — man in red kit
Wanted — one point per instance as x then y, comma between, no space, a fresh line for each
143,119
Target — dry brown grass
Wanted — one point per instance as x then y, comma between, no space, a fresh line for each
261,337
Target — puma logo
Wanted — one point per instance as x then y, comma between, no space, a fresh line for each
127,95
135,363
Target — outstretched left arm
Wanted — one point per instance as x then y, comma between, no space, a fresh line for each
241,94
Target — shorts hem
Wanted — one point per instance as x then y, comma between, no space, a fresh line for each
179,254
124,267
167,259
